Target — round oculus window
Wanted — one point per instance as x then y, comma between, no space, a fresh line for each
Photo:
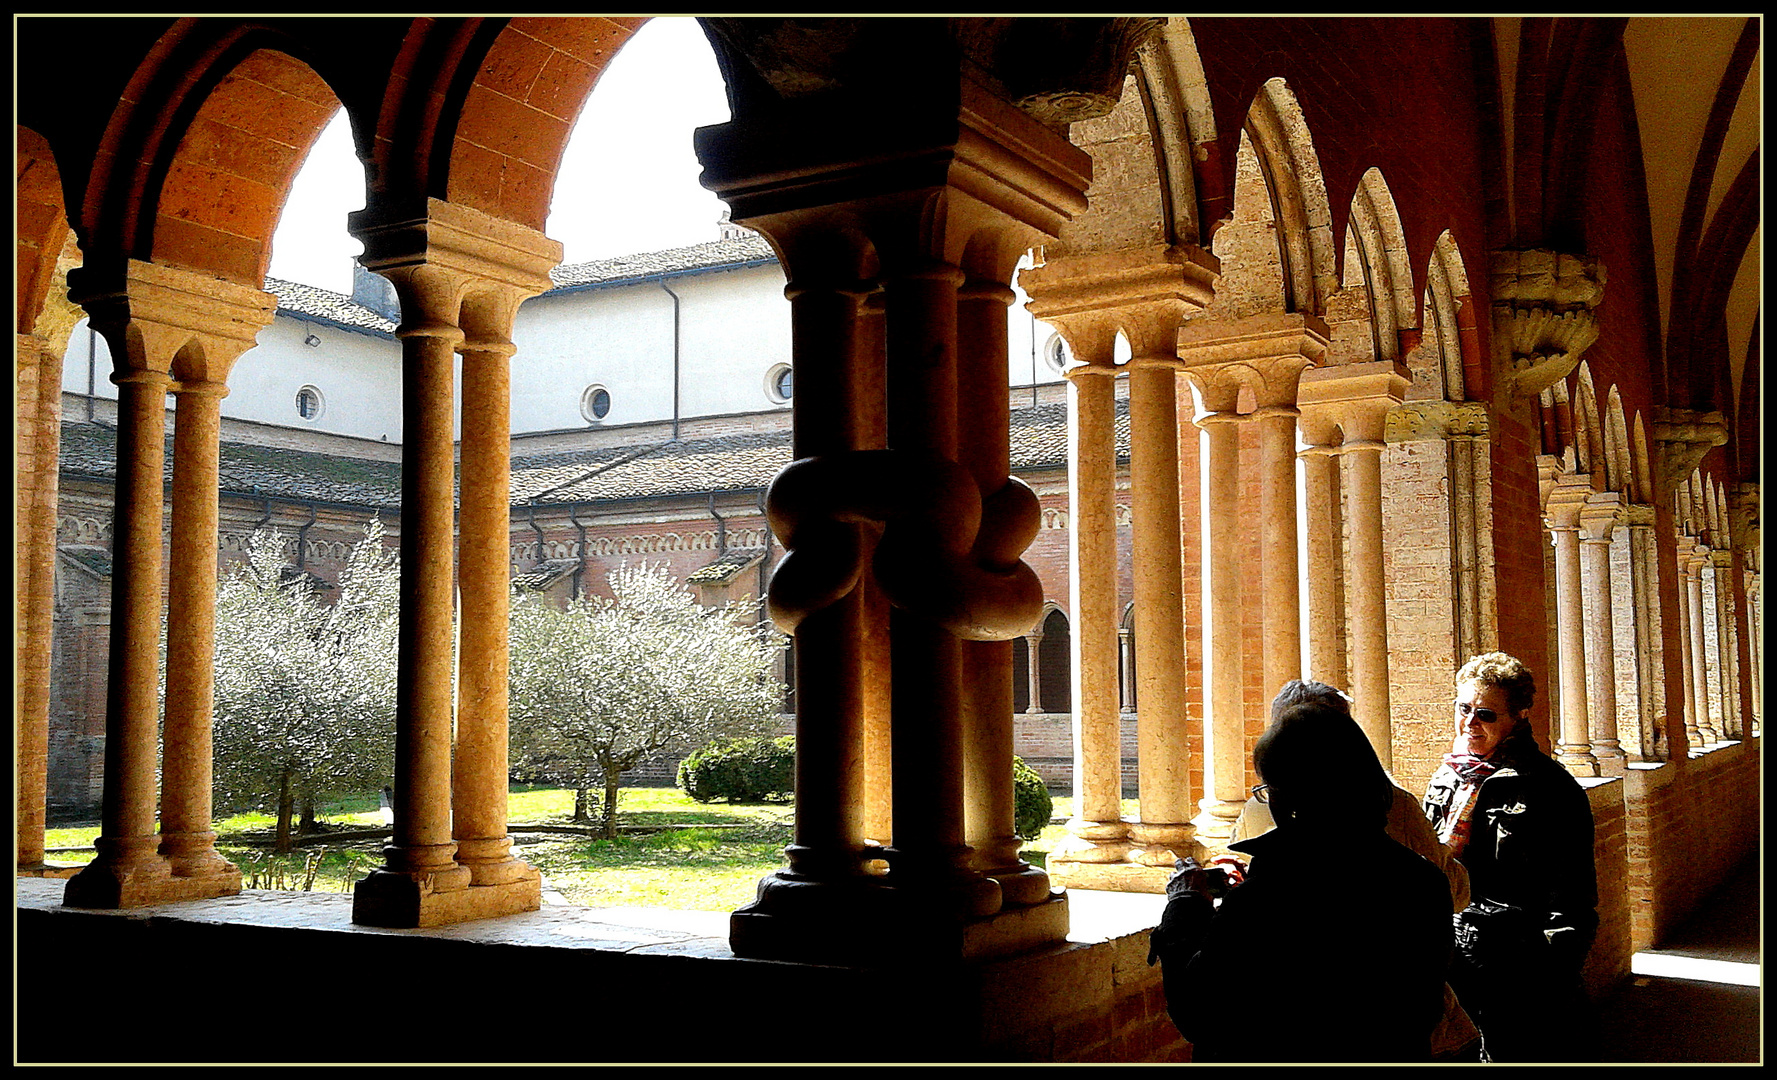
309,403
595,404
780,383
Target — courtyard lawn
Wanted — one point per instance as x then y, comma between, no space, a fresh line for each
675,852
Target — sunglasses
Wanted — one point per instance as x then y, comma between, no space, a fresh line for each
1485,716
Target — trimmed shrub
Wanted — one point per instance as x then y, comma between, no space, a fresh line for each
1032,805
741,770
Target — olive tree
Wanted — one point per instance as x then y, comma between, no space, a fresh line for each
600,686
305,690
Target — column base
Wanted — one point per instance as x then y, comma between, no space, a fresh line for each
865,922
111,887
1577,762
1111,877
396,901
1022,885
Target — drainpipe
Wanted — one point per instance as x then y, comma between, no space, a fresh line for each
302,537
661,281
92,364
580,564
536,528
1033,360
266,519
721,528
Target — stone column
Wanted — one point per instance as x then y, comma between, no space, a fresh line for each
1562,516
1721,566
454,268
1126,654
1355,399
1596,519
1743,524
1649,639
1708,719
1687,640
1326,555
1267,355
517,270
1142,294
168,328
1033,671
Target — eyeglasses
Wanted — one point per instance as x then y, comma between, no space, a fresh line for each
1485,716
1262,793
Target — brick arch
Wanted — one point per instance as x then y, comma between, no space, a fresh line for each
1641,474
1618,473
518,112
1588,434
1449,310
1181,123
42,224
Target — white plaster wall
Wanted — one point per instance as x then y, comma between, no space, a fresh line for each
359,377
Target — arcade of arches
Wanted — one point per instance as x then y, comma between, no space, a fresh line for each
1442,338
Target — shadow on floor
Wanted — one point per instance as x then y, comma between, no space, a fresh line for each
1656,1019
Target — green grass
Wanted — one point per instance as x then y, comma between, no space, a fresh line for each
688,868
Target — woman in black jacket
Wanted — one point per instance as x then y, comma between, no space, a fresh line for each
1522,827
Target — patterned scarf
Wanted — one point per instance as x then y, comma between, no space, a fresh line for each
1470,772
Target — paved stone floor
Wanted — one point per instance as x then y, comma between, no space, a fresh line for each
1674,1009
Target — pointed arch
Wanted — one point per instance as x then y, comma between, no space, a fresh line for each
1446,290
41,227
1618,474
1376,257
1181,123
1644,477
1588,433
1298,190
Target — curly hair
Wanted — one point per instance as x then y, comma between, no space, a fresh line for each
1504,671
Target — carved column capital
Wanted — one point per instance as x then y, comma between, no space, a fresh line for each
1565,501
1600,513
1144,293
1681,439
1543,303
1266,353
153,316
1354,398
1417,421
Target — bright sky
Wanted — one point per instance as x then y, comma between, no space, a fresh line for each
662,85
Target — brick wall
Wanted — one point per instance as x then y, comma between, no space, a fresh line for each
1609,959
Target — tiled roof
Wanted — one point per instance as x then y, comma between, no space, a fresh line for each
708,256
545,574
310,302
660,470
90,449
727,568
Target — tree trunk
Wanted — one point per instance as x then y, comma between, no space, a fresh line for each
308,824
612,777
286,805
582,806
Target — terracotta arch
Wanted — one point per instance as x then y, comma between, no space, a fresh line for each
518,112
42,224
200,149
232,170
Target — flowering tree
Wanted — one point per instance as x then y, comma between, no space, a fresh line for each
305,690
604,685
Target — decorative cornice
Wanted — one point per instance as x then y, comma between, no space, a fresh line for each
1681,439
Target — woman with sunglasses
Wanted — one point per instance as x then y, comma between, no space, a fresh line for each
1522,827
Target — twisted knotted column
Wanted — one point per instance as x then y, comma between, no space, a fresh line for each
1354,400
984,447
168,329
1597,517
455,269
1561,515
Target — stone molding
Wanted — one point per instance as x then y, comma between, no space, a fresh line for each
1143,292
163,309
1424,421
1543,303
1356,398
